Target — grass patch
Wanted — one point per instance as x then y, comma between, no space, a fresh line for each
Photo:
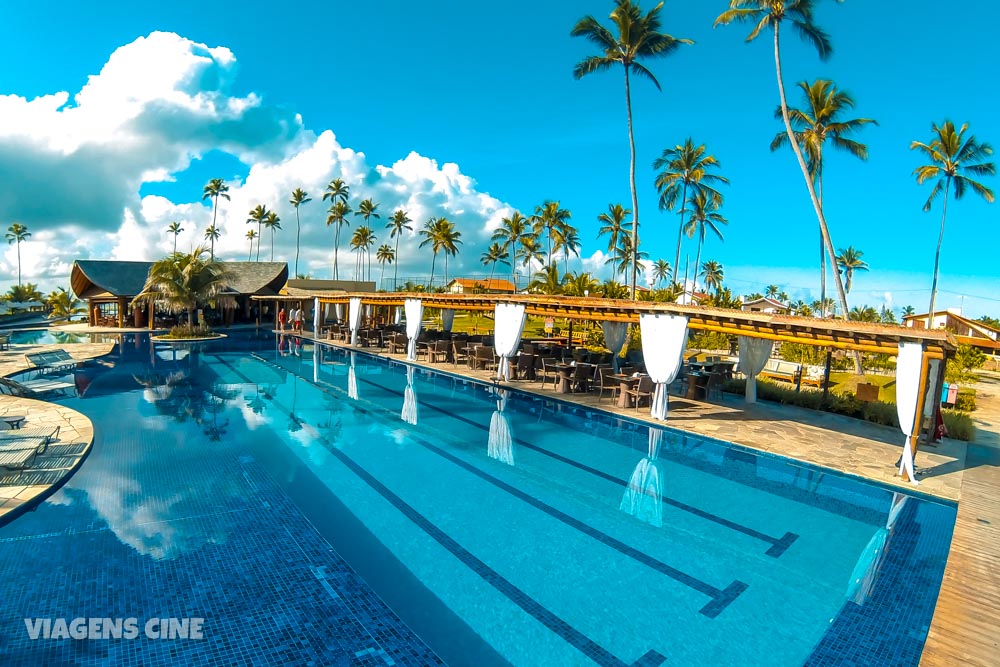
843,383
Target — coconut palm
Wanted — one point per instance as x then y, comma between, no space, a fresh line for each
272,222
685,168
399,222
548,219
566,239
713,274
509,234
863,314
546,281
368,209
661,270
251,234
15,234
771,291
613,225
638,38
299,197
495,253
908,310
215,188
849,260
771,14
63,304
181,282
337,192
441,235
612,289
704,215
211,235
886,316
954,158
529,250
257,216
363,239
451,238
581,284
175,229
384,255
623,256
818,120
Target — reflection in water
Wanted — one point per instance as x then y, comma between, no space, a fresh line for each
866,572
409,413
352,379
500,445
643,495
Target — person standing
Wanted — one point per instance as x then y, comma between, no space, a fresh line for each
298,319
282,319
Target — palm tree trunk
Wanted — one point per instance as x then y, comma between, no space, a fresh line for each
824,229
430,285
822,249
382,277
297,233
272,244
490,281
937,256
697,259
250,254
395,267
336,247
259,235
19,261
215,212
631,172
680,230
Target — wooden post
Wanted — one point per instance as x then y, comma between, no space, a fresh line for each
121,312
919,417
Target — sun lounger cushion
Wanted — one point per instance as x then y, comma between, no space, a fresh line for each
17,459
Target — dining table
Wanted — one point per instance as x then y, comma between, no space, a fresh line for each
565,384
625,383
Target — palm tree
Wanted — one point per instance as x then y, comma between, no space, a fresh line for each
430,232
713,274
765,14
272,222
257,215
863,314
685,167
546,281
952,155
612,289
908,310
175,229
816,122
211,235
510,233
63,304
299,197
181,282
614,225
385,255
549,218
400,221
704,215
451,238
566,239
661,269
367,209
771,291
639,37
581,284
215,188
363,239
495,253
337,192
529,250
251,234
849,261
15,234
623,257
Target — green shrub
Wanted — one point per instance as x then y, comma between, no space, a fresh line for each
959,425
966,400
187,331
880,413
708,340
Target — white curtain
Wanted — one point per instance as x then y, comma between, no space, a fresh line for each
414,316
933,368
398,317
508,325
316,317
908,363
354,318
317,360
447,319
352,380
754,353
663,340
500,445
615,334
409,413
643,495
339,308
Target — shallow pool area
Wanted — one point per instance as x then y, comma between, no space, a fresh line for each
46,336
313,503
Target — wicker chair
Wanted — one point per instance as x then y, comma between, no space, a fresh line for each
642,390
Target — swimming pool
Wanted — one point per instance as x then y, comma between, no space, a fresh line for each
499,528
50,336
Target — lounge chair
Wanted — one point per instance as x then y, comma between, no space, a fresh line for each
4,342
19,442
21,455
32,388
8,434
51,360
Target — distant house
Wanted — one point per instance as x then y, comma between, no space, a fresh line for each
969,332
765,305
480,286
692,298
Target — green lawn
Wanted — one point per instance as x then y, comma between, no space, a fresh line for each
848,382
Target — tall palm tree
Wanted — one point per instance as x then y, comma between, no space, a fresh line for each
363,239
771,14
215,188
638,38
685,167
908,310
251,235
713,274
385,255
399,222
211,235
15,234
704,215
549,219
529,250
495,253
181,282
337,192
819,120
849,260
257,215
430,234
546,281
623,257
272,222
175,229
63,304
771,291
566,239
613,224
661,269
581,284
953,156
368,209
299,197
510,233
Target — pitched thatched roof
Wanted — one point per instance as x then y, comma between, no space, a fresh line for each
95,279
257,277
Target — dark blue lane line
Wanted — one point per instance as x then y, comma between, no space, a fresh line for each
778,545
557,625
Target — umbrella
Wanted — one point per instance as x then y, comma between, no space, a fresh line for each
352,380
500,445
409,413
642,498
866,572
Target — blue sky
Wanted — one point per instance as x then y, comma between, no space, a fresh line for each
488,89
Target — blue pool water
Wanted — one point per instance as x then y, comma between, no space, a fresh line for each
318,505
49,336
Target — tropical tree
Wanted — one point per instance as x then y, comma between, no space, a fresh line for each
566,240
211,235
299,197
639,38
546,281
529,250
863,314
257,216
251,234
23,293
549,219
495,253
955,158
704,215
820,119
908,310
623,256
886,316
510,234
685,167
337,192
181,282
441,235
368,210
764,14
399,223
713,274
612,289
661,270
361,241
272,222
215,188
385,255
613,225
849,260
771,291
175,229
63,304
15,234
580,284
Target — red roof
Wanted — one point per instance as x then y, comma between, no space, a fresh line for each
491,285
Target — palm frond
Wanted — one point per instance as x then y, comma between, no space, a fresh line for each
639,69
812,33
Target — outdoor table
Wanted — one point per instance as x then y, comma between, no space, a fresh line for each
565,378
15,421
696,380
625,382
